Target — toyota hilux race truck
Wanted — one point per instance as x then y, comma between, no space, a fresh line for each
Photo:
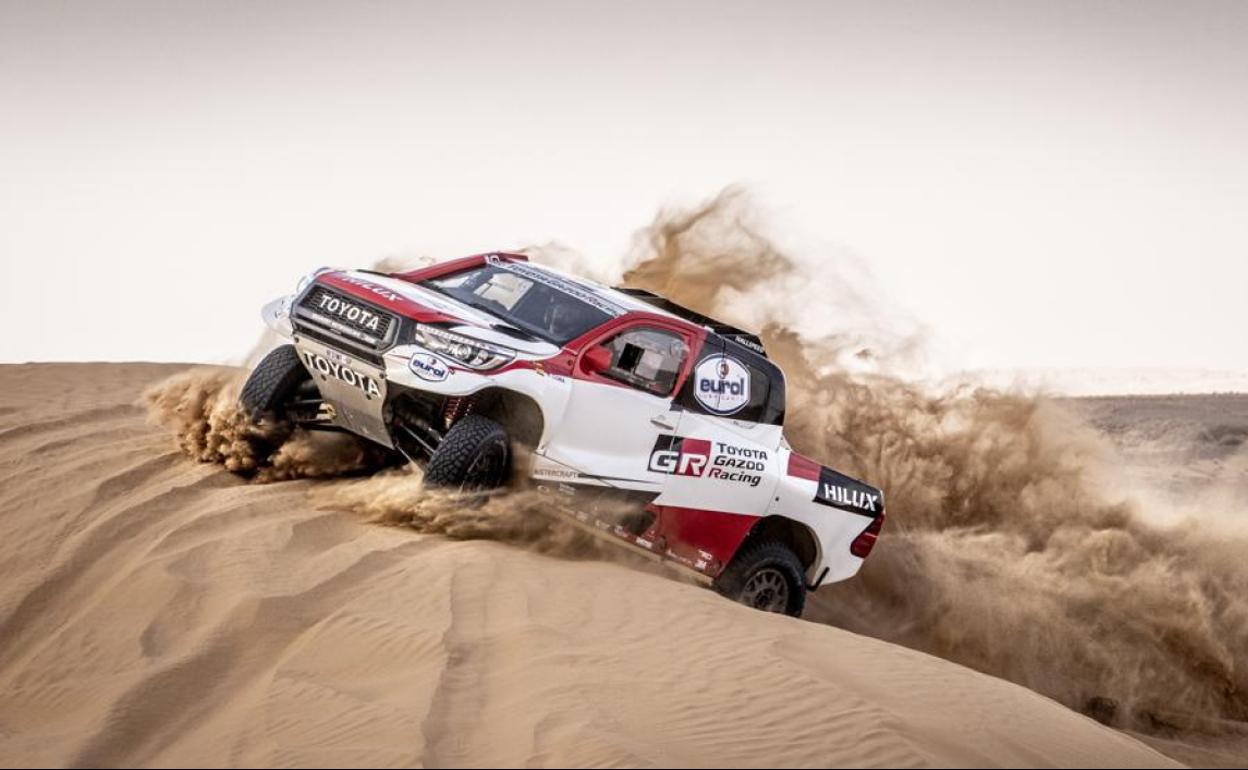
645,422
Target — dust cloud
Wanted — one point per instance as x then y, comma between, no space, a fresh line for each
1006,549
200,408
517,515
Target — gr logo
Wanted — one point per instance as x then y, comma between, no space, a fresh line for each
680,456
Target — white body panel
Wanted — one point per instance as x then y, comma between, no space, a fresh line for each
607,432
737,476
834,530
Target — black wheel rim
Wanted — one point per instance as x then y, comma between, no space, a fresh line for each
766,590
486,469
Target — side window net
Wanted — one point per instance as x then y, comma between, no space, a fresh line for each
647,359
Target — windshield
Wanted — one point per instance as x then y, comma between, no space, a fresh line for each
540,303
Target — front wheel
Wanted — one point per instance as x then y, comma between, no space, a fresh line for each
273,383
474,455
767,576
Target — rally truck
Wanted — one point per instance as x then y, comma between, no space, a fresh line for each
643,421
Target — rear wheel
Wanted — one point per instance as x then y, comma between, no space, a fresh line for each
475,455
274,383
767,576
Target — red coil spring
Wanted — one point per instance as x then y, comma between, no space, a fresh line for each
456,407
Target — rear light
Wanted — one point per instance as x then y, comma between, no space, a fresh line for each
863,544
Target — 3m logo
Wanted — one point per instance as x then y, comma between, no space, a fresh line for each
680,456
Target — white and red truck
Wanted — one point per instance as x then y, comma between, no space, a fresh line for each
646,422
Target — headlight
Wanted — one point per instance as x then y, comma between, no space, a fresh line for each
466,350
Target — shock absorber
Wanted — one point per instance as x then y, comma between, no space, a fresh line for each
457,407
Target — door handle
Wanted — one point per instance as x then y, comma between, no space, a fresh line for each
660,420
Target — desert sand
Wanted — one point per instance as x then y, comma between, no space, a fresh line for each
156,611
1181,447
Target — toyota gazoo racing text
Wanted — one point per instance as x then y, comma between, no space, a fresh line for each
645,422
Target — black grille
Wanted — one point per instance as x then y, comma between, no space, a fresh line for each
363,352
347,315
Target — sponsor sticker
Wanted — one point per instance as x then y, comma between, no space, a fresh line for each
721,384
337,307
704,458
380,291
429,367
556,473
840,491
326,368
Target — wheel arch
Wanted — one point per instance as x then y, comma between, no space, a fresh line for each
796,535
519,413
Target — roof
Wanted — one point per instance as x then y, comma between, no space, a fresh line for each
625,298
740,336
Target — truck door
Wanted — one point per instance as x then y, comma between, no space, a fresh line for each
617,414
726,463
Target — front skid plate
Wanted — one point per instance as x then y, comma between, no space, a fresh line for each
355,389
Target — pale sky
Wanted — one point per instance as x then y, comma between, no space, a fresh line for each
1040,184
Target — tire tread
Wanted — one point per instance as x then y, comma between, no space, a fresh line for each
450,463
273,381
764,553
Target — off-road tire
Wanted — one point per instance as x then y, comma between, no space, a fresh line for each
273,383
762,562
475,455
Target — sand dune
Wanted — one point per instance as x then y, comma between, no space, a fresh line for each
155,611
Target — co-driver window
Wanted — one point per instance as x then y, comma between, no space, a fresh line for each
647,359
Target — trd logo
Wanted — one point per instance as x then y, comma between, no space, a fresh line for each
680,456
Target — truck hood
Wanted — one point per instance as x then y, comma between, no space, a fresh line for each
420,304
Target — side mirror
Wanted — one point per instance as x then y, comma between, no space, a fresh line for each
596,359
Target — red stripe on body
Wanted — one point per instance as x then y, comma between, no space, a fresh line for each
803,467
690,531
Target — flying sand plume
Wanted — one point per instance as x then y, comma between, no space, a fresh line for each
1002,550
201,407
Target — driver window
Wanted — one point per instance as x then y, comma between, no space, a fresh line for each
647,359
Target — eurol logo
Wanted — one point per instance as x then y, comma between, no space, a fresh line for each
721,384
429,367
